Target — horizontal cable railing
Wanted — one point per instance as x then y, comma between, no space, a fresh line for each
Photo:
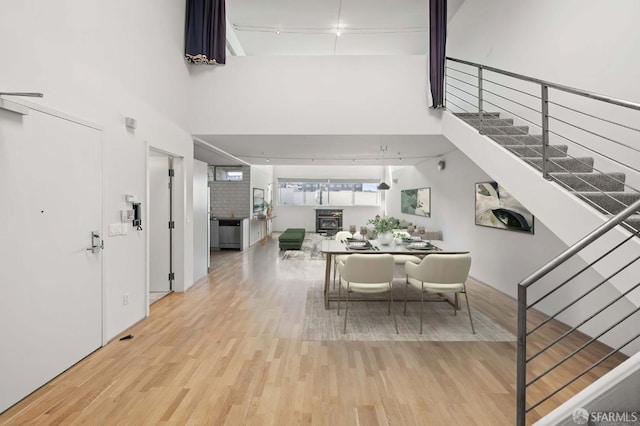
588,144
598,138
611,314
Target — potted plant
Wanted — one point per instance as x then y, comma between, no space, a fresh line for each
384,227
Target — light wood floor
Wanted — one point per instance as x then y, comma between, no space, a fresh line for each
229,351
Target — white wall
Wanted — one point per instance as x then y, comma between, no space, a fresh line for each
304,217
200,220
578,43
102,61
314,95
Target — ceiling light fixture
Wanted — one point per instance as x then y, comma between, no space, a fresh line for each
277,31
338,31
383,186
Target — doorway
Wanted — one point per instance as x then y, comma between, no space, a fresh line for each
161,225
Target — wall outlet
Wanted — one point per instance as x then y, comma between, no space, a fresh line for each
125,299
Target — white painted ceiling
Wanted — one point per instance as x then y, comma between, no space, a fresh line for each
326,150
308,27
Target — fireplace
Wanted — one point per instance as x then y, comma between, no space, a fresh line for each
329,220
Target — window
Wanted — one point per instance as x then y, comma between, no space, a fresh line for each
328,192
228,173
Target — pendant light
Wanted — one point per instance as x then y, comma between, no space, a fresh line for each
383,186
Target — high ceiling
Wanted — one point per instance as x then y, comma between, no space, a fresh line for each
309,27
321,149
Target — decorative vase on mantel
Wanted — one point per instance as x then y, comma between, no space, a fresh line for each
385,238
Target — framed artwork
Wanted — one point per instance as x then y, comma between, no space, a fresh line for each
258,200
496,208
416,201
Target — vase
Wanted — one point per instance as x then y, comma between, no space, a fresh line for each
385,238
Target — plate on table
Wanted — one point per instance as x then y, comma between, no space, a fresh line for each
359,245
420,245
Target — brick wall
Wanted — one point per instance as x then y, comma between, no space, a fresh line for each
231,199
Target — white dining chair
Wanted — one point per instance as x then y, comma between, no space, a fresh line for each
340,236
366,273
439,273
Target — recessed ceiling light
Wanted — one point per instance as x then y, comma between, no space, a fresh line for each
277,31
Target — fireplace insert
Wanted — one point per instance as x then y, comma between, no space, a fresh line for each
329,220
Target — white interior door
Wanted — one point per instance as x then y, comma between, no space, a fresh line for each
51,285
159,216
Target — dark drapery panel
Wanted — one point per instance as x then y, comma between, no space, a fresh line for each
437,46
205,32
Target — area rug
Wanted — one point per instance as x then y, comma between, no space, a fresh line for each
368,321
310,250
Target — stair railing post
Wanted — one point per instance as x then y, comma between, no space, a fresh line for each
521,358
545,131
480,100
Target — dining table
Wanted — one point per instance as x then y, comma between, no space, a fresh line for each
335,247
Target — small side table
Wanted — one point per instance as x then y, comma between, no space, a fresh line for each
265,227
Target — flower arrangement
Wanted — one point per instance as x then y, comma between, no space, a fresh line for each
384,224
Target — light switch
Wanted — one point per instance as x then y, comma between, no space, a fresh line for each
115,229
125,228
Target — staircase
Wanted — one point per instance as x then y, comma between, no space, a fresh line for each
604,191
594,212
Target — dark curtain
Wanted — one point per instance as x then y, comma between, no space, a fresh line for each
437,46
205,32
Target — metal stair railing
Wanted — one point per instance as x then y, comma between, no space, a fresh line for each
625,326
590,123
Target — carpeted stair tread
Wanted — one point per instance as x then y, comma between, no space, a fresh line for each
555,151
591,181
504,130
634,221
611,202
517,139
494,122
464,115
578,165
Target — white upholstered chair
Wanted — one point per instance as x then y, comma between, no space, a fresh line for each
340,236
401,259
439,273
366,273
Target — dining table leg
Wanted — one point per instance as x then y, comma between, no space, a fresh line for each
327,279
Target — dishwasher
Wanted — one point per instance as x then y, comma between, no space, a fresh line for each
230,233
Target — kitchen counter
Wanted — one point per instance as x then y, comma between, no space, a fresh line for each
229,218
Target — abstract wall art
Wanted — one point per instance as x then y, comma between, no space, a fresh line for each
416,201
496,208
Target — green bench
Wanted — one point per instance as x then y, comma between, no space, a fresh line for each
292,239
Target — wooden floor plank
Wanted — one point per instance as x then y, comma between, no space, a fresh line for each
229,351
